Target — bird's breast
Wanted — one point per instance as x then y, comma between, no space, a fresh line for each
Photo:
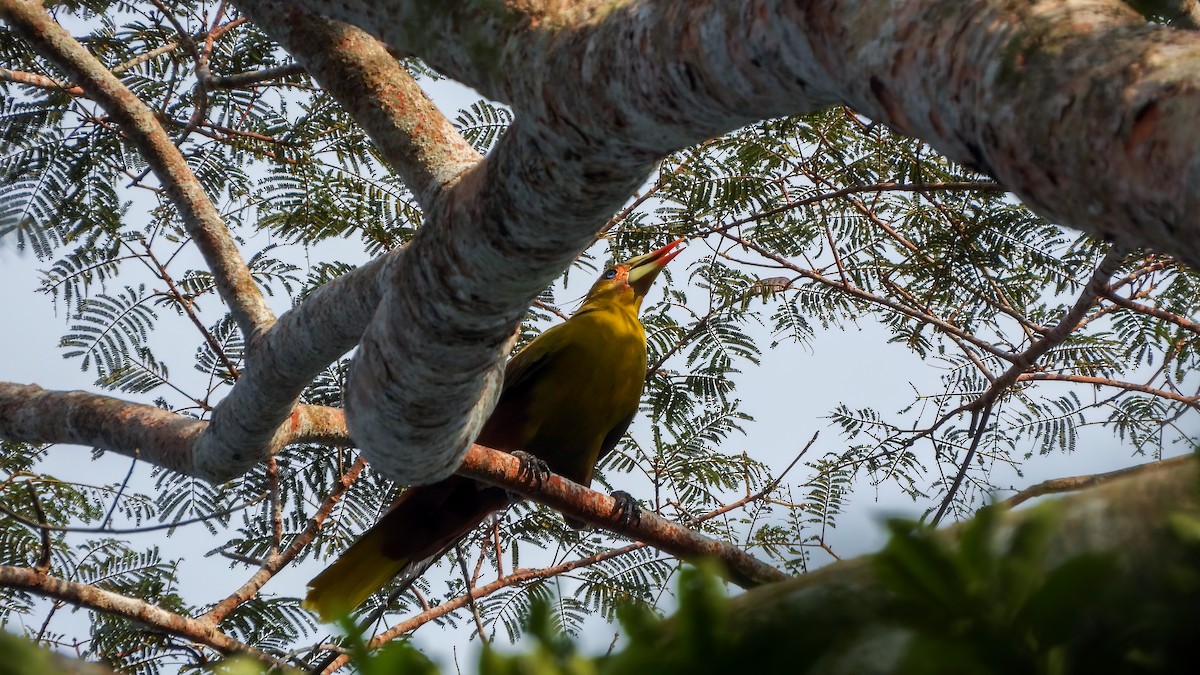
590,386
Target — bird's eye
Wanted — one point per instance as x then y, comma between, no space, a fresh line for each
611,273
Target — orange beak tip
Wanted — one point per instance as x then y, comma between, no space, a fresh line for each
665,254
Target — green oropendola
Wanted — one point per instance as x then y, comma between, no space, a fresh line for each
567,399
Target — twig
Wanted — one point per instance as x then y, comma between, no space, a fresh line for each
980,426
120,491
462,565
43,563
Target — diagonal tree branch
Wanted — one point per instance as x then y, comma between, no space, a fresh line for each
356,69
97,599
598,509
200,217
278,560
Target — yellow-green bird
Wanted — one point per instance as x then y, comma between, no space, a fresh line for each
568,398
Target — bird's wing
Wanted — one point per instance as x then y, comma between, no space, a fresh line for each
614,436
531,360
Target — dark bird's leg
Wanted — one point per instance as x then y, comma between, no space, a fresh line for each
627,511
533,468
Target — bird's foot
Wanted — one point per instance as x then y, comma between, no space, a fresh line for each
532,467
627,511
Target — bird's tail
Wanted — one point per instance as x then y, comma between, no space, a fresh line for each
360,571
422,524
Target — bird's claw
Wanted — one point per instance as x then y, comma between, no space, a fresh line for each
627,510
532,467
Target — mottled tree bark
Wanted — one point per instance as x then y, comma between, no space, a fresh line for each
1078,106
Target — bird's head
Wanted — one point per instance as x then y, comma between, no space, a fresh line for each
627,283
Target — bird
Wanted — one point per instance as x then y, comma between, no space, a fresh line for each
567,399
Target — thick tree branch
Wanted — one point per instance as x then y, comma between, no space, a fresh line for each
452,306
1078,106
31,414
1125,517
200,217
357,70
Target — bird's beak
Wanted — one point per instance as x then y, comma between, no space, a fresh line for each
645,268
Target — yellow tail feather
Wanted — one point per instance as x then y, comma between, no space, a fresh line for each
361,570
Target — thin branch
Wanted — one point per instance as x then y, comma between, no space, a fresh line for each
151,615
275,504
40,81
1190,401
1075,483
246,79
278,560
598,509
1170,317
189,310
43,564
117,498
768,489
462,564
980,427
